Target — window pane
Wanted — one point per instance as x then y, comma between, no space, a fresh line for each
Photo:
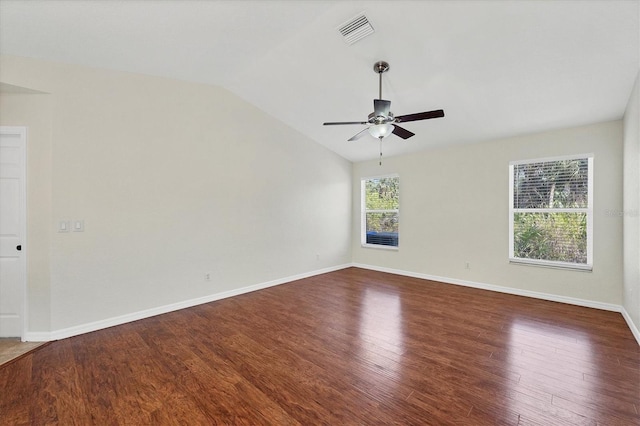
382,222
551,184
551,236
382,194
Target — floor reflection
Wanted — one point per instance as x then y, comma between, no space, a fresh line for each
381,332
551,361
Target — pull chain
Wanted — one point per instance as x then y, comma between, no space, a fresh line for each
380,163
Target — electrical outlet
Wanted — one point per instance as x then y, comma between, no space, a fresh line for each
467,265
207,276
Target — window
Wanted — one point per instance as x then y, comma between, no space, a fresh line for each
380,211
551,212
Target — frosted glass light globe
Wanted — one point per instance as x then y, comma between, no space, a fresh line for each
381,130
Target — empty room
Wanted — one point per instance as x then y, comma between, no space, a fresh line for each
320,212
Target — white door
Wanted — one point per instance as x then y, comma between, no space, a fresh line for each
12,230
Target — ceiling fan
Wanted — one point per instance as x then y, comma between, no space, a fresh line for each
381,121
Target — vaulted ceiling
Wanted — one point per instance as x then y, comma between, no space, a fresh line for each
497,68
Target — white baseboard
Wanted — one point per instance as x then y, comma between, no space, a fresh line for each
38,336
500,289
632,326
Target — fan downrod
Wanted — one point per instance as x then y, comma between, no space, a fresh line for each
380,67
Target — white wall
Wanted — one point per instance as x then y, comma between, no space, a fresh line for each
454,209
631,208
172,180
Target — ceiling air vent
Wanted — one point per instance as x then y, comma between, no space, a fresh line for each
356,29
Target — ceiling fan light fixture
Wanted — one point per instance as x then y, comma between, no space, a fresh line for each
381,120
381,130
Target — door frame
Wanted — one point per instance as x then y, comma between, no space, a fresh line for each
21,132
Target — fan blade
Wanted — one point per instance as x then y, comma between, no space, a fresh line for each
359,135
334,123
403,133
381,107
419,116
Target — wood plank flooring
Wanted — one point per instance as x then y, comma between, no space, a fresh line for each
352,347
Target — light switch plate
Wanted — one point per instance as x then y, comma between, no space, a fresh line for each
78,226
63,226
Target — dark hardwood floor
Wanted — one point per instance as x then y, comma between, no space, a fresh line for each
352,347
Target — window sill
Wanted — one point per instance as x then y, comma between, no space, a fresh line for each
379,246
552,265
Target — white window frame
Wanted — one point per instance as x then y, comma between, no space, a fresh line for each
588,210
364,211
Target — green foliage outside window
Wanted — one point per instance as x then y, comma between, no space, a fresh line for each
382,194
560,237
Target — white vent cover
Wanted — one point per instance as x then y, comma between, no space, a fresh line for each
356,29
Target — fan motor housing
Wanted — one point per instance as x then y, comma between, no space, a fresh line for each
380,119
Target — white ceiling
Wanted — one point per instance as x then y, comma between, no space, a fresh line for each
497,68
